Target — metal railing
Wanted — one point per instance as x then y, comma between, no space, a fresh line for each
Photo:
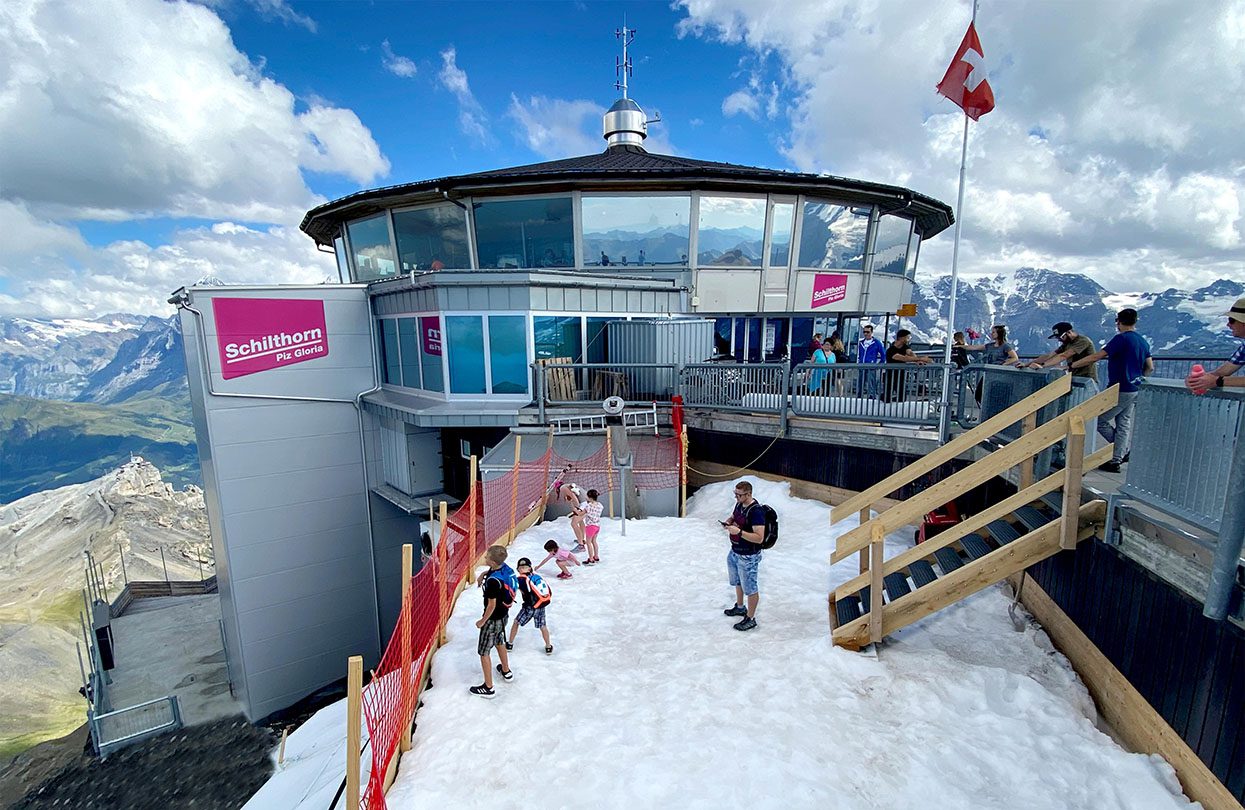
579,383
896,393
114,730
754,387
1166,367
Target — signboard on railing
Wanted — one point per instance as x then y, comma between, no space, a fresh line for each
828,288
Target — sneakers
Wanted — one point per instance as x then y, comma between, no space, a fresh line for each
1126,455
483,691
746,623
509,646
1110,467
506,674
738,610
565,575
548,649
579,547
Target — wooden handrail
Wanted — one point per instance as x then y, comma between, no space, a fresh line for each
976,473
973,523
962,443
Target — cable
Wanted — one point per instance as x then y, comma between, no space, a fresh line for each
747,466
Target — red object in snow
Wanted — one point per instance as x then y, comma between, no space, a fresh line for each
938,521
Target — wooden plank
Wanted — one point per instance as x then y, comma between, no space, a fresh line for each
408,554
700,473
974,576
969,525
875,581
976,473
1026,467
864,553
1073,472
961,444
1131,716
354,716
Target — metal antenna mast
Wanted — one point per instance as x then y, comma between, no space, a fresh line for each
622,67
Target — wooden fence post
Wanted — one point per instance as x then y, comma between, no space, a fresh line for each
514,488
1074,463
408,554
1026,467
683,473
875,582
442,592
472,494
354,716
609,469
544,497
864,552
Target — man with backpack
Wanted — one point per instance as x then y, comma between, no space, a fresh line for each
500,584
747,529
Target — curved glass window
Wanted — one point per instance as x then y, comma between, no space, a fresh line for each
408,342
525,233
890,249
833,236
433,238
466,341
914,248
391,369
339,249
630,231
507,350
780,234
430,352
373,254
558,336
730,231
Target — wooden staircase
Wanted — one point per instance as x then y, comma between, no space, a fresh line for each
1009,536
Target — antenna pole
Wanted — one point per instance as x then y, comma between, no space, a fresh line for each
622,68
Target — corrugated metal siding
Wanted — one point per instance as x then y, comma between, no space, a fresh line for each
660,341
394,463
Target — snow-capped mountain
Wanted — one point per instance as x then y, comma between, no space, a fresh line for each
1029,301
52,358
150,361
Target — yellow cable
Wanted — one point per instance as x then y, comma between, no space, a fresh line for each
747,466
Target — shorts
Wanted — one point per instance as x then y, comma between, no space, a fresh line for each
591,531
492,634
526,614
742,570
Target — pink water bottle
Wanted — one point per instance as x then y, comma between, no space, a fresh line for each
1197,371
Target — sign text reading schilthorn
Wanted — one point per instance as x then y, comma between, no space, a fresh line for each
259,334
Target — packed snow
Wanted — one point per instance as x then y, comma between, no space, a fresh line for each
652,699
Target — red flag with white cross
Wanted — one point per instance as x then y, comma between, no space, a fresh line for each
965,80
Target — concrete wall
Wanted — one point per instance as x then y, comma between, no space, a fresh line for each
286,489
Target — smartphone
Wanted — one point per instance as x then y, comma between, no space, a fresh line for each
723,522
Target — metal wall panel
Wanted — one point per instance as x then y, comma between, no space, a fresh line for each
394,463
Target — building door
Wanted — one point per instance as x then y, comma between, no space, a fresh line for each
423,450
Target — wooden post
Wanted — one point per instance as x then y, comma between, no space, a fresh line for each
404,627
544,498
285,732
878,537
1073,469
1026,466
472,494
514,488
609,469
354,715
864,552
683,473
443,595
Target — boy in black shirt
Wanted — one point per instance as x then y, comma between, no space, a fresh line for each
499,586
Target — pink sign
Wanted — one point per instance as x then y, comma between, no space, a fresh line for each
431,328
828,288
258,334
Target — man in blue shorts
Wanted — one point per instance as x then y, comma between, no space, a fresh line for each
1128,361
1222,376
746,527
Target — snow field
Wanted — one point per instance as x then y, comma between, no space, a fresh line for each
652,699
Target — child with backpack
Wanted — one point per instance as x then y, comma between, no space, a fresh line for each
561,557
536,595
592,526
499,584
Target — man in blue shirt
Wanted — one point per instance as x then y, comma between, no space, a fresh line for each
1222,376
1128,361
869,350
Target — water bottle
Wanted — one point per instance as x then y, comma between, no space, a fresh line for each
1197,371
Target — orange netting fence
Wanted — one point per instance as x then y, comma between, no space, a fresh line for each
494,512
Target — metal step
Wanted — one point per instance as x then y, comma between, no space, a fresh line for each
976,546
896,585
865,596
922,573
1055,501
847,609
1003,532
1032,518
948,559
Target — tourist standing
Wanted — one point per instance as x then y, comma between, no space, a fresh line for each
746,527
1222,376
499,584
817,379
998,352
894,379
869,351
959,350
1128,361
1073,347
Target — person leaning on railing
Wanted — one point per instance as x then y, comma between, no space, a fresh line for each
1128,361
893,379
998,352
1222,376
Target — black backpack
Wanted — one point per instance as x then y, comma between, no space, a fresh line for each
771,527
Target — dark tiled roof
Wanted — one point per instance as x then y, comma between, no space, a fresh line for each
619,166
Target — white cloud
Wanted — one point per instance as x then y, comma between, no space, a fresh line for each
116,109
280,10
471,116
395,64
1114,148
557,128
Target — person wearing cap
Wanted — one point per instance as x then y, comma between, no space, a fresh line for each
1222,376
869,351
1128,361
1073,347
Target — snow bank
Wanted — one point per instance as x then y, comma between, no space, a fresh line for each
652,699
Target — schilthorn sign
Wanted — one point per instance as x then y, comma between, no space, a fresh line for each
258,334
828,288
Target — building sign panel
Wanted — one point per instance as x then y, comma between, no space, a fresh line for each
258,334
431,327
828,288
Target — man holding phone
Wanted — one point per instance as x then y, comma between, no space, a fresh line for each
746,527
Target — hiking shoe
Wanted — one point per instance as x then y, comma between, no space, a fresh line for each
509,646
548,649
1126,455
738,610
1110,466
564,575
506,674
483,691
746,623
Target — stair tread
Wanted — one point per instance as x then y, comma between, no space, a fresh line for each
896,585
847,609
1055,501
866,597
948,559
1003,532
975,545
1032,518
922,573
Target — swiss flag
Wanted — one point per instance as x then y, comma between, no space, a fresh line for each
965,81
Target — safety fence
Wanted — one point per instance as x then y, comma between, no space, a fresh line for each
494,512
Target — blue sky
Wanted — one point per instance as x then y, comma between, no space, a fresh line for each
149,143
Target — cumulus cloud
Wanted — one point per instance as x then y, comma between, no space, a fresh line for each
558,128
472,119
395,64
1114,148
280,10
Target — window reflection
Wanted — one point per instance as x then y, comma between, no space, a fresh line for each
466,342
525,233
507,346
556,336
833,236
914,249
430,352
391,370
408,340
343,265
432,238
780,235
730,231
626,231
890,249
373,254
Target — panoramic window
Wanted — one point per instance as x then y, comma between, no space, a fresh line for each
466,342
627,231
730,231
833,236
373,254
525,233
890,249
780,234
556,336
391,369
408,340
507,348
433,238
430,352
914,248
339,249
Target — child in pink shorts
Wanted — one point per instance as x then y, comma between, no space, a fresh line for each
563,558
592,526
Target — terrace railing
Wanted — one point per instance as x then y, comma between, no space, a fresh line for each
115,730
902,393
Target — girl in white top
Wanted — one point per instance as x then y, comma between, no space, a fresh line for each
592,520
